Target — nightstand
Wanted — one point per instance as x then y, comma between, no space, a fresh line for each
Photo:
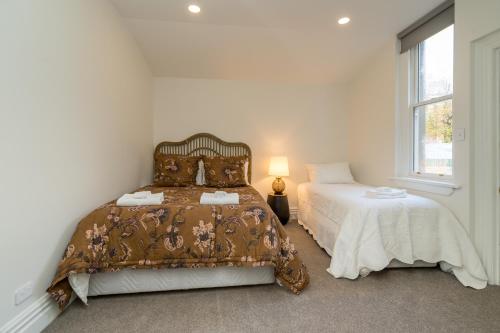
279,205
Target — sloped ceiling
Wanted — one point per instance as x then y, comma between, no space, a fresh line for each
268,40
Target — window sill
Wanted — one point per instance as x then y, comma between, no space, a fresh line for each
427,185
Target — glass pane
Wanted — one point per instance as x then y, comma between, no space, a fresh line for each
435,65
433,138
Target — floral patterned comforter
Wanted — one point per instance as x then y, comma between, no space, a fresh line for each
180,233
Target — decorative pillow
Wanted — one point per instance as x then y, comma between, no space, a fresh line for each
334,173
247,163
175,170
223,171
200,175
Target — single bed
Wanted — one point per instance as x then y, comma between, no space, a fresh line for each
363,234
179,244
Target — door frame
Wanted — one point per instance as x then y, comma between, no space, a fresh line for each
484,153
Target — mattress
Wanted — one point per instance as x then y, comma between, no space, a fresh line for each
321,212
321,215
366,234
138,281
323,208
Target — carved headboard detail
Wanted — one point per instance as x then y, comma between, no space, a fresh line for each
208,145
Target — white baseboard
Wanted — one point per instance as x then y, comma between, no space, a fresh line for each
34,318
294,213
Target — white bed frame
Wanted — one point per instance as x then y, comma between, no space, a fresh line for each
145,280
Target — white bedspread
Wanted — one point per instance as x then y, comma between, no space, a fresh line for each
375,231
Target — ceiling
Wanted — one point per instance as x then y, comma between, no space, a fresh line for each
266,40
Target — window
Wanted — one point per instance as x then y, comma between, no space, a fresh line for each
431,105
424,115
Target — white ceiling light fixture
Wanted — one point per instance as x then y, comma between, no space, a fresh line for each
195,9
344,20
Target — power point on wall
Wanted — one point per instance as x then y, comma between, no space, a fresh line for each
459,134
23,293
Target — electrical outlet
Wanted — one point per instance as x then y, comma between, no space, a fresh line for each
23,293
459,134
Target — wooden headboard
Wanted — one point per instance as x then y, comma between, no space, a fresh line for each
208,145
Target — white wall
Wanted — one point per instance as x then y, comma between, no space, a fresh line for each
372,106
76,124
307,123
75,129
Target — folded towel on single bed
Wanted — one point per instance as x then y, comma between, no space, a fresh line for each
386,193
140,199
220,198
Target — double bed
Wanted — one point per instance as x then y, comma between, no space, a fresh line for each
363,234
180,244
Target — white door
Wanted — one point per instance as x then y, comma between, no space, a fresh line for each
485,153
497,134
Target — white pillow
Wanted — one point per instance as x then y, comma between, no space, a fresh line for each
332,173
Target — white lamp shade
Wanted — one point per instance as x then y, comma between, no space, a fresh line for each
279,166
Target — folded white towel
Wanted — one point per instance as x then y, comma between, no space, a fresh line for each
381,196
383,189
389,191
129,200
389,195
141,195
218,199
386,193
220,194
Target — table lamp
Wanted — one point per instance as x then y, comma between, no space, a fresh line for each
278,167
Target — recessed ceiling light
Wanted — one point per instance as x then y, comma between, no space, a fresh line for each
344,20
195,9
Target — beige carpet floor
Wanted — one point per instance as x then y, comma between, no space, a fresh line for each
396,300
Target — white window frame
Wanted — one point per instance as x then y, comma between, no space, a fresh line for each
406,93
413,85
